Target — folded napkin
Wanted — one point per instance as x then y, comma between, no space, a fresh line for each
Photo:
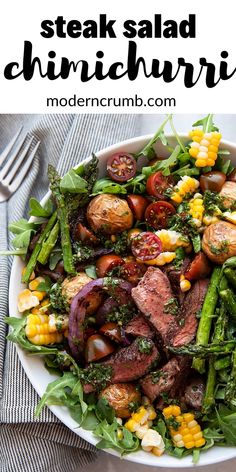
26,443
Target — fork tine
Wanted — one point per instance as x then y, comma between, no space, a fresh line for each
24,169
9,146
12,158
17,164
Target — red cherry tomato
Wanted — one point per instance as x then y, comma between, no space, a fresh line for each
112,331
132,233
146,246
157,184
232,176
133,271
83,234
199,268
106,263
212,181
97,346
157,214
138,205
121,166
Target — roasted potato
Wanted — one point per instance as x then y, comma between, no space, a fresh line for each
72,285
228,192
109,214
219,241
119,396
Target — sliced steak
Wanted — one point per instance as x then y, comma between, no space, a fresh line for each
151,296
130,363
138,326
192,304
161,380
194,393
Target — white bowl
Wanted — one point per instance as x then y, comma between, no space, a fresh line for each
40,377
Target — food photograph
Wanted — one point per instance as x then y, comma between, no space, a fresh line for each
118,291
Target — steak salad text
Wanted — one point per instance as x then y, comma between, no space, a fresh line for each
131,295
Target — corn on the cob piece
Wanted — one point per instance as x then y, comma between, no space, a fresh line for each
196,208
186,185
162,259
230,216
57,323
171,240
185,285
152,439
204,147
27,300
38,330
188,434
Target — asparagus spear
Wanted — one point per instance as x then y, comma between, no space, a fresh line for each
203,351
37,248
49,244
230,301
218,336
231,276
54,179
208,310
230,391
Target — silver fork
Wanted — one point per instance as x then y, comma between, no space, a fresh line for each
17,164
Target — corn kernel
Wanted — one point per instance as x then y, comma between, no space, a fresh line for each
151,413
185,284
196,429
119,434
188,417
157,452
131,425
180,443
32,275
189,445
40,295
197,436
113,238
192,423
200,442
33,285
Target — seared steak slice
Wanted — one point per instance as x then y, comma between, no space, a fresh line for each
152,296
138,326
194,393
161,380
131,363
191,306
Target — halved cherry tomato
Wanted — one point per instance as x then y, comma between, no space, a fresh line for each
133,271
132,233
81,233
212,181
157,214
199,268
232,176
146,246
97,346
138,205
157,184
112,331
106,263
121,166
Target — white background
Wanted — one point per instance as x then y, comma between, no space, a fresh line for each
20,20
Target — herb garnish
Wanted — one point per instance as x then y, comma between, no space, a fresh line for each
171,306
97,375
145,345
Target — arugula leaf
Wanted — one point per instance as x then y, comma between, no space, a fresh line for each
91,271
46,285
17,335
24,230
148,150
73,183
104,411
36,209
107,186
66,390
108,434
55,257
224,165
163,165
90,422
207,124
227,426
